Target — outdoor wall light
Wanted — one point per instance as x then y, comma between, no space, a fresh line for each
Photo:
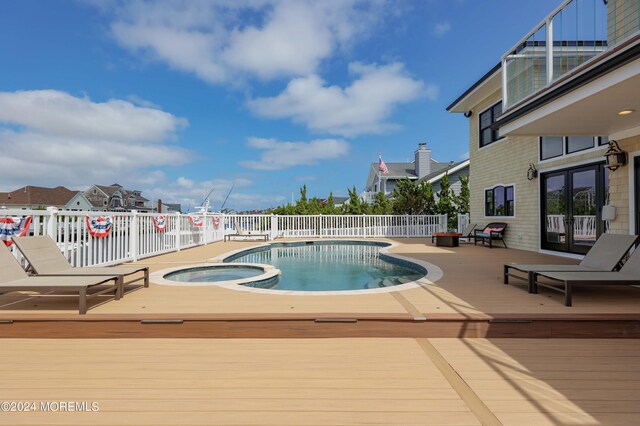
615,157
532,173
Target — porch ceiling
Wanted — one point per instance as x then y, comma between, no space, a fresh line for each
590,110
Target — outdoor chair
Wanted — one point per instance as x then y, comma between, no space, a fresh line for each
492,232
14,278
46,259
629,274
240,233
605,255
468,230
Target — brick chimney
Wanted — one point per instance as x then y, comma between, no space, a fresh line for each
422,160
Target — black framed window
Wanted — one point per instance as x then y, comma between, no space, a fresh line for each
499,201
551,146
488,129
557,146
579,143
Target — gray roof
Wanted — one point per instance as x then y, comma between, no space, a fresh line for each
441,168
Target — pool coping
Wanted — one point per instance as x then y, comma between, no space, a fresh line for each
433,272
270,271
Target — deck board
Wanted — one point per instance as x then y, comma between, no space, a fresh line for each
471,285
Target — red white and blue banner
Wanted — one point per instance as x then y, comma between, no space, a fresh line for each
13,226
160,223
195,220
99,227
216,221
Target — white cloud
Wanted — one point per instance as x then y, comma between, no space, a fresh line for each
363,107
190,193
218,40
279,155
441,28
51,138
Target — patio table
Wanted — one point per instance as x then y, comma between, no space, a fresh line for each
447,239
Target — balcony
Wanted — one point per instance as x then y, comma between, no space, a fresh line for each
577,37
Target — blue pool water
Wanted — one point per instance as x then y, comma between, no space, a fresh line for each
331,266
217,273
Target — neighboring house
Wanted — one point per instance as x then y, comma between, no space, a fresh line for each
423,168
37,197
171,208
540,123
116,198
79,203
337,201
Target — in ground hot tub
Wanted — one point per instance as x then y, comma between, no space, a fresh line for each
223,274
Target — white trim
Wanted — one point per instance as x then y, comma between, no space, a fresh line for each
624,134
591,161
564,154
480,86
632,197
484,204
460,166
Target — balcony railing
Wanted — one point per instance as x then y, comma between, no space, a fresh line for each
570,37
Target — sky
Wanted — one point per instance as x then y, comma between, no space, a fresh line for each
177,98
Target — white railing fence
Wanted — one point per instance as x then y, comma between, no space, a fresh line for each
135,235
463,221
584,226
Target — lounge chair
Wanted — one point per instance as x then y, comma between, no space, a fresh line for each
629,274
467,233
240,233
492,232
605,255
14,278
46,259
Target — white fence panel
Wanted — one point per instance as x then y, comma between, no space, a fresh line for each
135,235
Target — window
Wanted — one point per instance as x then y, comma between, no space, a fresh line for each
557,146
95,191
579,143
499,201
488,129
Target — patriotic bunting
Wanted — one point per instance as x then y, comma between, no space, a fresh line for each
99,227
216,221
160,222
10,226
195,220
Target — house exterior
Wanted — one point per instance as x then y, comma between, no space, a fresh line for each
38,197
116,198
423,168
542,121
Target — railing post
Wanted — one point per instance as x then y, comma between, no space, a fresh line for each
52,224
549,50
205,228
178,230
134,235
274,227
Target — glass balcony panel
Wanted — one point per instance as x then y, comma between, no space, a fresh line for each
527,66
580,31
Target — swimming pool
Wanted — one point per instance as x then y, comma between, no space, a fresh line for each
325,266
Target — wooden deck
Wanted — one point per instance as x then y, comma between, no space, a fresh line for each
392,358
324,381
469,301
